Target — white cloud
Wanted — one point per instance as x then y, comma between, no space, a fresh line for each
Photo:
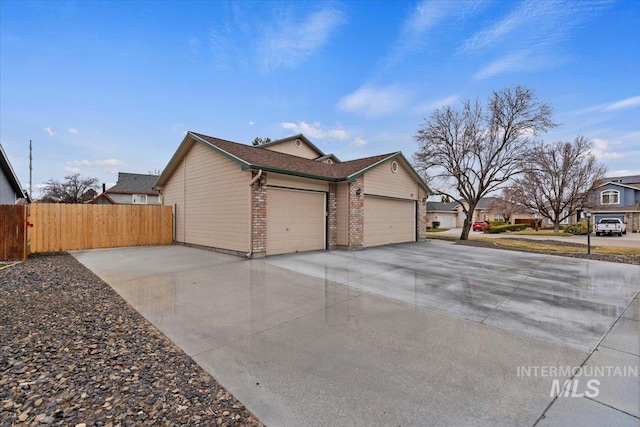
623,172
358,142
530,37
603,150
251,123
78,163
49,131
71,169
110,165
288,42
375,101
176,126
512,62
73,131
625,103
631,102
424,18
429,106
316,130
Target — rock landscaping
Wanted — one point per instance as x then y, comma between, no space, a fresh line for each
72,352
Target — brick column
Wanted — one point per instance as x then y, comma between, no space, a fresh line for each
259,217
356,214
421,220
332,219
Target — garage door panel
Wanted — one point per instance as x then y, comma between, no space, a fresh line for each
295,221
388,221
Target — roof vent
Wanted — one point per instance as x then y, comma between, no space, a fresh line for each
298,143
394,166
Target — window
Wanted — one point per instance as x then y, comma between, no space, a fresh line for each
139,199
394,166
498,217
610,197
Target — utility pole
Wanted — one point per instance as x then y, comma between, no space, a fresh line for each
30,172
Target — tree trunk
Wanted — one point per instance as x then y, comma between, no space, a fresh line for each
556,226
466,227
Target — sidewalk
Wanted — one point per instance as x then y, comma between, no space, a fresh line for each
630,240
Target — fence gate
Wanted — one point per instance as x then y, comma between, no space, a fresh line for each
13,233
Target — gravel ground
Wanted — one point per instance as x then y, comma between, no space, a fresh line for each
624,259
74,353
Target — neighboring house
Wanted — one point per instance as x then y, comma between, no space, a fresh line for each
131,189
444,213
489,209
11,191
288,196
618,197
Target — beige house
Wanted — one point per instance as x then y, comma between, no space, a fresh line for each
288,196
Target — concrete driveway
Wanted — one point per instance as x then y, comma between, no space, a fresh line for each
416,334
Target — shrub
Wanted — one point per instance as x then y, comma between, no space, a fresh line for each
577,228
506,227
497,223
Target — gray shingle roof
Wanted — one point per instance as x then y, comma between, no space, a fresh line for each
442,207
129,183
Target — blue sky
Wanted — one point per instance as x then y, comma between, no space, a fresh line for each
102,87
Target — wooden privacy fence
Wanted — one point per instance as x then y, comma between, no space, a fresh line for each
13,234
64,227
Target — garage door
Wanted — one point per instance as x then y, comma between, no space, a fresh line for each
295,221
388,221
446,220
598,217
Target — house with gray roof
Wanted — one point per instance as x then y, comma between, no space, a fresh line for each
131,189
11,192
618,197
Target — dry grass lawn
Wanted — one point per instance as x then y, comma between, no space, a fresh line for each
552,247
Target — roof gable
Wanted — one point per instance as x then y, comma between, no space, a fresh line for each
618,184
293,139
10,174
250,157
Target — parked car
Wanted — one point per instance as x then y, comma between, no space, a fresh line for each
479,225
611,226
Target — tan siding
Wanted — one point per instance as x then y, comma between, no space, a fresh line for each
173,195
296,182
289,147
215,210
388,221
382,182
295,221
342,214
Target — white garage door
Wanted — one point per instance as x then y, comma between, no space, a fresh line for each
295,221
388,221
446,220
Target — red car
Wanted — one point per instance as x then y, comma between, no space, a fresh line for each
479,225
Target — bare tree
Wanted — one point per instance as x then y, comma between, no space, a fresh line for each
471,152
506,205
74,189
558,178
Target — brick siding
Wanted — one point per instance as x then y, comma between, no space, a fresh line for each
259,217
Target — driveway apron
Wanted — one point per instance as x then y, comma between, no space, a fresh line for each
416,334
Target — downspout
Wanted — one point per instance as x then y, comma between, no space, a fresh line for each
253,181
